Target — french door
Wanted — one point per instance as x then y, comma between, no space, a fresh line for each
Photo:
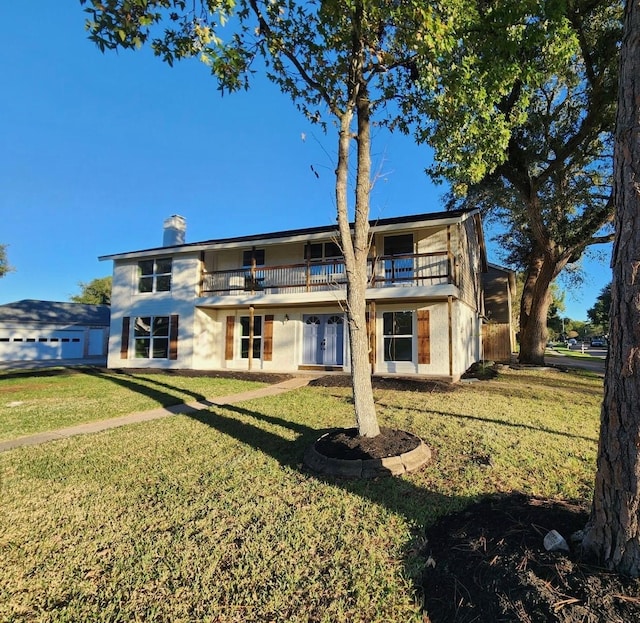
323,339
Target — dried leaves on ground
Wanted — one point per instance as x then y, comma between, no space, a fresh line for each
487,564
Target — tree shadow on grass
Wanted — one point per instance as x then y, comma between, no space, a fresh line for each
419,506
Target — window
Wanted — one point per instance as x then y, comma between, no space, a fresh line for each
253,279
398,336
154,275
151,337
251,255
325,258
398,269
257,337
323,250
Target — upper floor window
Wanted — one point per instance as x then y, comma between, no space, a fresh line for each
252,257
154,275
323,251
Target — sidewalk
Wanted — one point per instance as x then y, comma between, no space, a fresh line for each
155,414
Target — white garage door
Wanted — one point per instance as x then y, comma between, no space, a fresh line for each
35,345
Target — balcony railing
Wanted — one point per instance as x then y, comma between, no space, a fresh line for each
420,269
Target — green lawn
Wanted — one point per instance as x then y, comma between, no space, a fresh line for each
33,402
213,518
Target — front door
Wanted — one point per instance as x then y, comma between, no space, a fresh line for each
323,339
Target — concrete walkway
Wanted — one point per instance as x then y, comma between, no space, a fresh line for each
155,414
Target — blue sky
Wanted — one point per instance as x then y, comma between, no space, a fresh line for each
96,150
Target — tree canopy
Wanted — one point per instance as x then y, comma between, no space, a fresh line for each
599,313
95,292
551,185
4,262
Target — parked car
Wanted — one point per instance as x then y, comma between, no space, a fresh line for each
598,342
571,341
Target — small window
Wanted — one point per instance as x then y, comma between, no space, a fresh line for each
257,337
42,339
31,339
398,336
17,339
4,339
75,339
54,339
64,339
155,275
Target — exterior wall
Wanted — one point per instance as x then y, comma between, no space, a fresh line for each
288,326
126,301
454,326
467,338
468,262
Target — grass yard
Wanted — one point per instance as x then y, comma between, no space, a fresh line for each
37,401
212,518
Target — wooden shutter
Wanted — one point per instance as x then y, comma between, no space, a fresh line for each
371,334
228,341
173,337
267,338
124,343
424,338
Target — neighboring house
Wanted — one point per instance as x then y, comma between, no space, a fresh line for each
46,330
498,336
275,301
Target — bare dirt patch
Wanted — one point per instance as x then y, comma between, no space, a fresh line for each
487,564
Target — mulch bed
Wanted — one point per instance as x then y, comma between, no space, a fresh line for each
487,564
386,382
346,444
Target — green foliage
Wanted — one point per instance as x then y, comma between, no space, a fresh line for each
96,292
599,313
4,262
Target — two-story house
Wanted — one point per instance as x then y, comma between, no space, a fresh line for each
276,301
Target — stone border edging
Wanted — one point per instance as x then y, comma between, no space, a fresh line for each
367,468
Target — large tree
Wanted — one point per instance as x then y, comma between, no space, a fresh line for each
341,61
551,184
613,532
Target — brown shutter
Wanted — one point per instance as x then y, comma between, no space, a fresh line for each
124,343
173,337
371,333
267,338
424,338
228,342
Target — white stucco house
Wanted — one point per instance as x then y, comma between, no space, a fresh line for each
32,330
275,301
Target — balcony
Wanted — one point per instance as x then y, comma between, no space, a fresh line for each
420,269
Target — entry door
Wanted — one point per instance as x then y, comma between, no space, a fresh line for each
323,339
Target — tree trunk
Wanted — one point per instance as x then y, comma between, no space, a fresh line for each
612,535
355,249
534,308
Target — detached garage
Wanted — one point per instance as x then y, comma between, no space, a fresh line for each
45,330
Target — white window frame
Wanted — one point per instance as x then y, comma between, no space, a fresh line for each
158,275
149,335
